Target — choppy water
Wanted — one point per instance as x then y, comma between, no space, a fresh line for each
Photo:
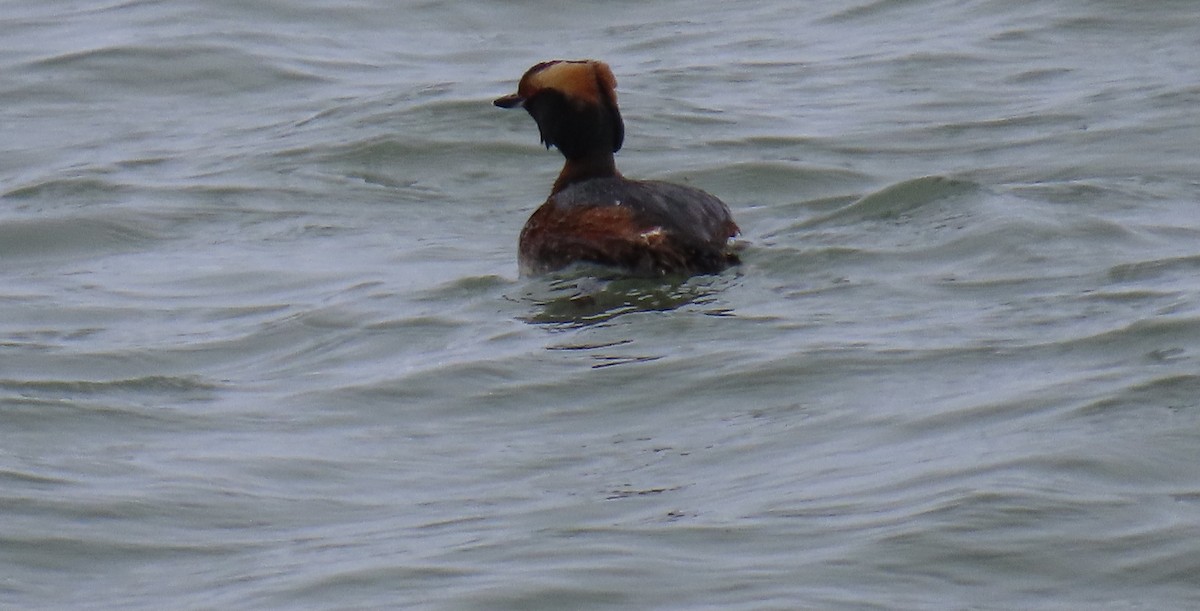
263,343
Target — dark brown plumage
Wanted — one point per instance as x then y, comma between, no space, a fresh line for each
595,215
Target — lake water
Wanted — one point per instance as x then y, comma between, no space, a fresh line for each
263,344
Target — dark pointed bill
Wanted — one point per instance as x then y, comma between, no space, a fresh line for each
509,101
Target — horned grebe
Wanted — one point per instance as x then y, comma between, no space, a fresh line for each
595,215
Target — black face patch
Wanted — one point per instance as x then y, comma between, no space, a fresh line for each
574,128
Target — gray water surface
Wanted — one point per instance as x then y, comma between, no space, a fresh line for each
263,343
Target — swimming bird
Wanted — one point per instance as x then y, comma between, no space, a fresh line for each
593,214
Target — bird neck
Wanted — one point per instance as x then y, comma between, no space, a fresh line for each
595,164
